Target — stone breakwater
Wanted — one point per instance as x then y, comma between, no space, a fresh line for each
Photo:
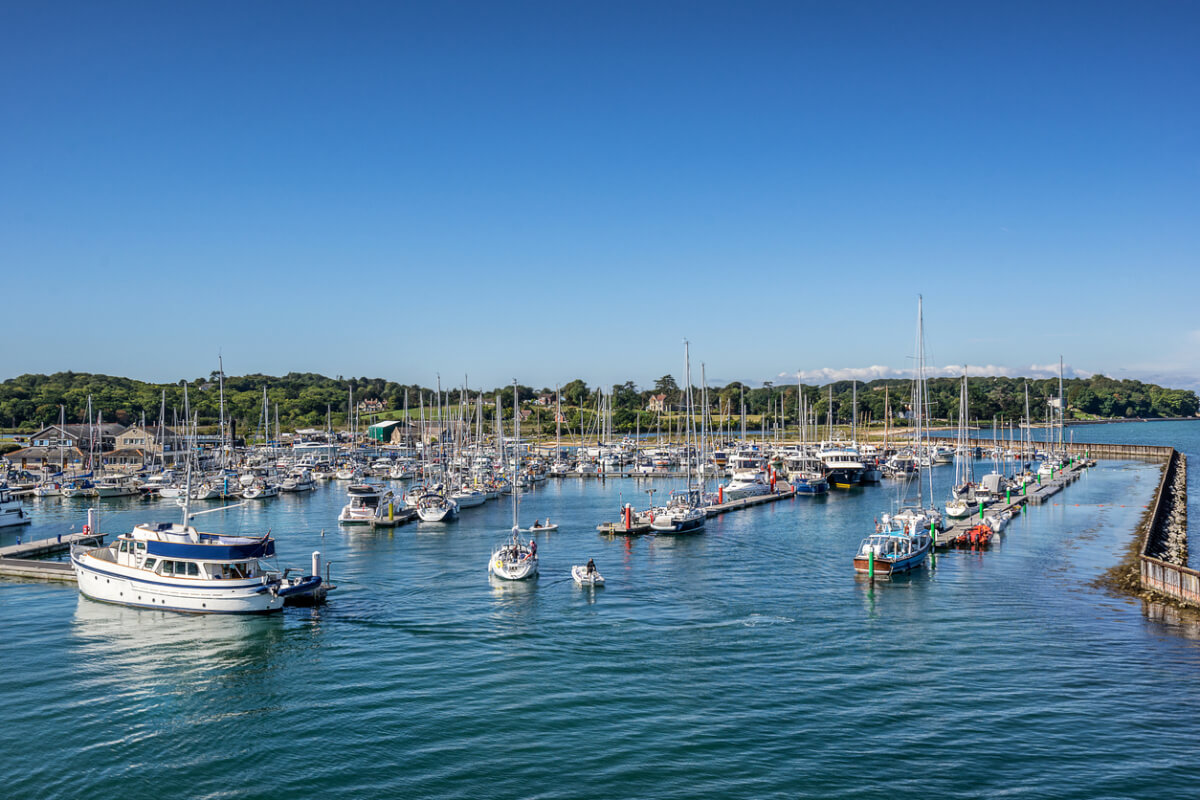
1163,570
1167,535
1174,536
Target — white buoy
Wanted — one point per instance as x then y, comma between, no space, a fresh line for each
316,562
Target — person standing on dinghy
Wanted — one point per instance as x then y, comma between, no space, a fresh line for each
591,567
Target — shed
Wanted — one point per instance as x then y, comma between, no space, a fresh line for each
382,431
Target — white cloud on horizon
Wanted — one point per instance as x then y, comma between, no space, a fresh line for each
876,372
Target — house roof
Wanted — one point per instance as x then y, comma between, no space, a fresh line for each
43,453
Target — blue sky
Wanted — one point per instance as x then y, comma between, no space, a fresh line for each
558,190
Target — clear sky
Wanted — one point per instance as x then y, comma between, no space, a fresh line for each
568,189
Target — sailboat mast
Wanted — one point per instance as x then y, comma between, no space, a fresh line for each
516,455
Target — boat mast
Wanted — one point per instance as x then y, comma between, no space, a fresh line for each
919,393
854,412
516,457
225,442
689,423
1062,405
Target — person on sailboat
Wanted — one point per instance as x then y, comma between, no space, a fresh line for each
532,547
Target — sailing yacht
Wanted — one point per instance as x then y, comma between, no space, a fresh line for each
516,559
434,506
957,506
684,512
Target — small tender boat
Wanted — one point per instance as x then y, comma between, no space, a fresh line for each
583,578
547,527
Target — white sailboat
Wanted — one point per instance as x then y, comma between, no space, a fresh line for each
516,559
685,512
957,506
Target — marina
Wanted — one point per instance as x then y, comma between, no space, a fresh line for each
779,590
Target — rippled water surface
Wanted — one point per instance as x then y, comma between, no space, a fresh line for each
744,662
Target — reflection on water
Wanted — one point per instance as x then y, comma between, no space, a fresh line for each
1183,622
132,643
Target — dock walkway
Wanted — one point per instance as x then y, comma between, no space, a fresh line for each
48,547
783,493
1034,494
18,560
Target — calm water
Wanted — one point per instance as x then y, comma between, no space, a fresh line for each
746,662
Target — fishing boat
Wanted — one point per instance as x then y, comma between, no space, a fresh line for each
516,559
893,552
843,466
11,511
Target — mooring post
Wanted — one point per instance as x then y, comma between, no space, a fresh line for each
870,562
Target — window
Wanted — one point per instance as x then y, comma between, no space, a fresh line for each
150,562
192,570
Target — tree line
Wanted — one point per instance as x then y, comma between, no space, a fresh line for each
29,402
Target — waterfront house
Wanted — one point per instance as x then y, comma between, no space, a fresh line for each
658,403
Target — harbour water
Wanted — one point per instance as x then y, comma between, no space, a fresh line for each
744,662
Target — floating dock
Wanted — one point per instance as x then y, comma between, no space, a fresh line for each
399,516
1034,494
18,560
28,569
49,547
618,528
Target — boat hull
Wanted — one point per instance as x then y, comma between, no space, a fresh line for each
513,570
110,584
844,477
888,566
580,574
670,525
